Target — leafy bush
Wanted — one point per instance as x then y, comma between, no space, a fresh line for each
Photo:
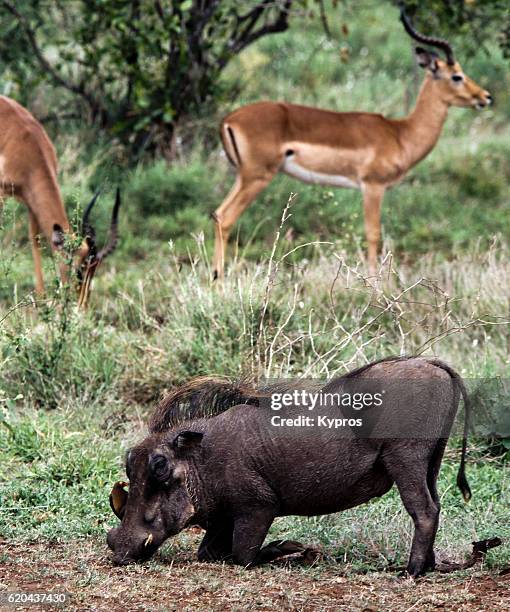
160,189
66,355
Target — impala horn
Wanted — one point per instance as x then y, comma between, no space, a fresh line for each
444,45
95,257
87,230
89,233
113,236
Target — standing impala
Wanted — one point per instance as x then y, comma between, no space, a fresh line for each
364,151
28,171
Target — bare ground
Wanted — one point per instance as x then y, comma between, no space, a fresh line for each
84,570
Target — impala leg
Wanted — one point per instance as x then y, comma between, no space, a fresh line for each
240,197
33,232
220,235
372,200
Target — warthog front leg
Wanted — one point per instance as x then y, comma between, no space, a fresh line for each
217,542
217,546
249,534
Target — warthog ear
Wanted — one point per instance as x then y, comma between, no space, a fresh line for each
118,498
187,440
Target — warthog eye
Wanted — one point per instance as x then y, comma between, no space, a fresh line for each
160,467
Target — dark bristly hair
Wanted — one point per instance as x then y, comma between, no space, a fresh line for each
201,397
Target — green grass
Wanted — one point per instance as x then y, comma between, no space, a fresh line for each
55,478
63,437
57,469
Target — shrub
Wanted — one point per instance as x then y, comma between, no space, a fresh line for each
160,189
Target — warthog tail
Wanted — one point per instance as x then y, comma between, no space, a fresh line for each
462,482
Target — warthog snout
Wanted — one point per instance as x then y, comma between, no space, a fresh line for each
156,503
137,548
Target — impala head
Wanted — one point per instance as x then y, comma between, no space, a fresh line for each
454,87
87,257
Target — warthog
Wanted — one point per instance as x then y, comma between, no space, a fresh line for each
213,461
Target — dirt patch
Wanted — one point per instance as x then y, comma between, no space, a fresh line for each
83,569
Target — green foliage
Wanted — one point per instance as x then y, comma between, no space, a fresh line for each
478,21
137,66
8,217
56,477
159,188
40,364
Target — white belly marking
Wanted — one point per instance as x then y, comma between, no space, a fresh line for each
292,168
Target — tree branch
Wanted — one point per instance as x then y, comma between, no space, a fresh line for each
206,15
240,41
324,19
44,63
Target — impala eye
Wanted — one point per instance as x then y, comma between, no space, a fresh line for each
457,78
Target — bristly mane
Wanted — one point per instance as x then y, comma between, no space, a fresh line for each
208,396
201,397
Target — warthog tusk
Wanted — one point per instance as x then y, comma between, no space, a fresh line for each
148,540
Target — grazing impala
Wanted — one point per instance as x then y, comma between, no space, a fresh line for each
28,171
362,151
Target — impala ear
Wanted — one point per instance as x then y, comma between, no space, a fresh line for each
427,59
57,236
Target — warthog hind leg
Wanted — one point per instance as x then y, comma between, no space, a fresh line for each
277,549
418,501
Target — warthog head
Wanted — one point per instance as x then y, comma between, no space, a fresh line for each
159,502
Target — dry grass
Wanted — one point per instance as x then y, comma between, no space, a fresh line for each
85,572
